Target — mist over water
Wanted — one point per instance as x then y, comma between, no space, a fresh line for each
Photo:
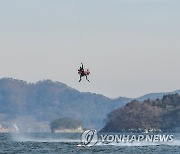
68,143
46,137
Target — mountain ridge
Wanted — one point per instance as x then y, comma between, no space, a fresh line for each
160,115
49,100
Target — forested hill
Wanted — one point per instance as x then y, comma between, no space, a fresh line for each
153,115
47,100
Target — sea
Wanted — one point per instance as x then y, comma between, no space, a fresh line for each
56,143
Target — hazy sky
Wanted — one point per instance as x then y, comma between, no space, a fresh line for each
132,47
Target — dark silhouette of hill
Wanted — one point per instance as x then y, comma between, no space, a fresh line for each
160,114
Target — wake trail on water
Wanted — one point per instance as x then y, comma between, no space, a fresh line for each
62,139
174,143
137,144
24,138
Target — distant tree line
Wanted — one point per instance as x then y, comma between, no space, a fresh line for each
65,123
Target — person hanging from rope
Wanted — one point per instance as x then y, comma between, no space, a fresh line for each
83,72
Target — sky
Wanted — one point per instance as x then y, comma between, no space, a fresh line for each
130,46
